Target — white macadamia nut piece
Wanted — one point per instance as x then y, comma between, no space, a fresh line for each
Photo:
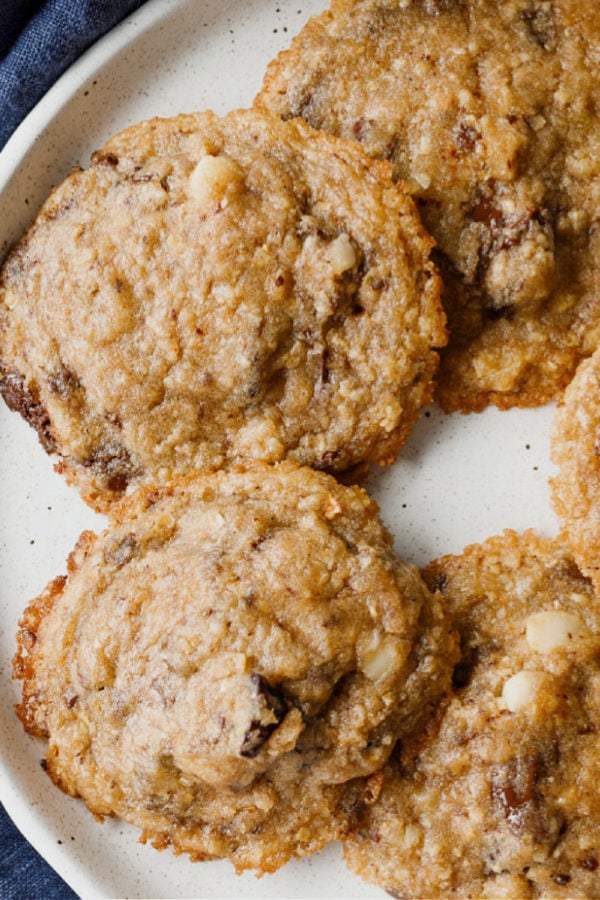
553,630
519,691
214,180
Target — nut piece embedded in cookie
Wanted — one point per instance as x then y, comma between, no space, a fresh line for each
213,291
214,181
500,149
228,661
499,795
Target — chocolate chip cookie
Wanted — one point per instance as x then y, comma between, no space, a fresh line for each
226,663
575,490
500,797
215,290
489,110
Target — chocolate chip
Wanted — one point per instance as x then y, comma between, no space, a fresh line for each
327,460
439,582
380,284
113,465
515,793
562,879
63,382
361,128
24,399
590,863
105,159
270,708
487,213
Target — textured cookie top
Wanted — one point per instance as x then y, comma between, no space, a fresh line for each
489,110
225,660
575,490
215,290
500,797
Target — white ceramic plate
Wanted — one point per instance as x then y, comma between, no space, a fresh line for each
460,479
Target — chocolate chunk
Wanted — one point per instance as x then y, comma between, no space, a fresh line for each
590,863
113,465
327,460
487,213
63,382
361,128
439,583
515,793
271,708
24,399
105,159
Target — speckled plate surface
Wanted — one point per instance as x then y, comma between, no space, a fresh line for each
459,479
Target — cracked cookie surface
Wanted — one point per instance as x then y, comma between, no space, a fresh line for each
228,660
499,796
215,290
489,111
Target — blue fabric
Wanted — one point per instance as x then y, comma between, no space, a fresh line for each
23,873
39,40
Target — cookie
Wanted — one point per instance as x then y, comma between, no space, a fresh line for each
225,664
575,489
217,290
500,796
489,111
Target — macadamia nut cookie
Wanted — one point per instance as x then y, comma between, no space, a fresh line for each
489,110
224,664
575,490
212,291
500,796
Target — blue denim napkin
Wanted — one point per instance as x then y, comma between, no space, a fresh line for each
23,873
39,39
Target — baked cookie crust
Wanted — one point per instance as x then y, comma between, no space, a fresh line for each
499,797
575,489
489,110
216,290
225,664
